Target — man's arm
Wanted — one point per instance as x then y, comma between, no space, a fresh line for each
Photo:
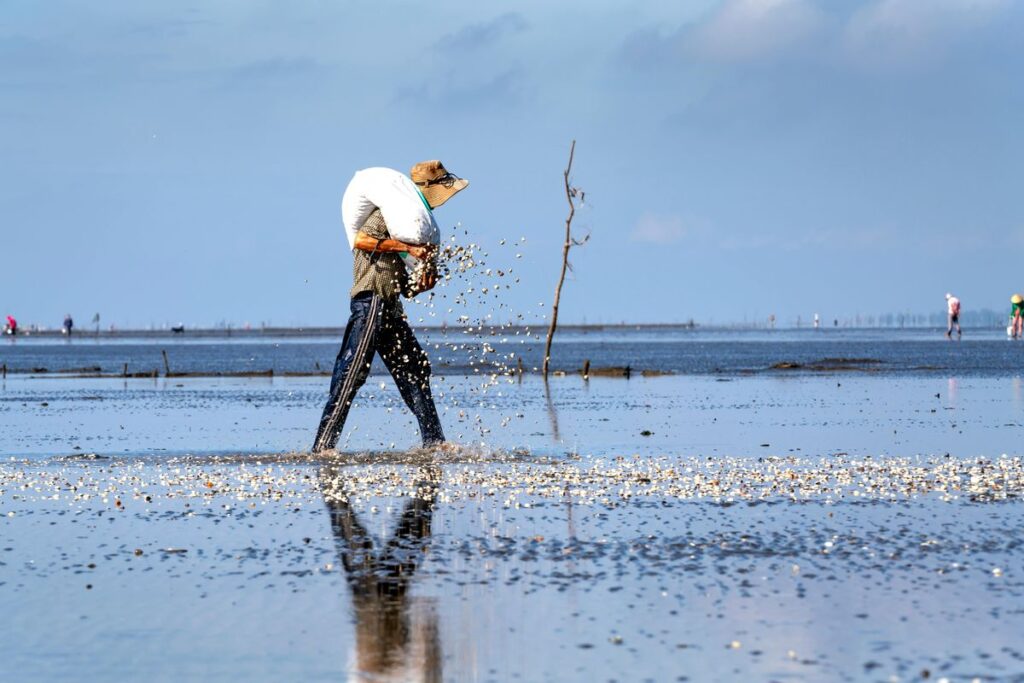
366,243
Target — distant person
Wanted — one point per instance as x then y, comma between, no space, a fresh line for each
12,326
953,317
1016,316
377,324
68,325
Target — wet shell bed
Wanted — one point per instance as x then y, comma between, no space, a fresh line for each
451,566
507,477
846,527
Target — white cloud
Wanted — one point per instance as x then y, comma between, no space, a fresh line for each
818,240
911,32
873,33
741,30
659,229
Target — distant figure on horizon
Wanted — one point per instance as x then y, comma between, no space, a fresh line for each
377,324
817,321
1016,316
953,310
68,324
12,326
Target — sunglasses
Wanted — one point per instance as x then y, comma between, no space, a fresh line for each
448,180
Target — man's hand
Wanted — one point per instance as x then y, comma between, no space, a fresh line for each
428,277
424,252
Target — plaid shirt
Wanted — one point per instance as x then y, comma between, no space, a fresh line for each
383,274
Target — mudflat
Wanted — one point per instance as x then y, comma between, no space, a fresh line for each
817,526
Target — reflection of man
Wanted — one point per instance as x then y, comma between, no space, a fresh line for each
396,639
378,323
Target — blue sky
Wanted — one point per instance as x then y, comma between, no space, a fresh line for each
166,162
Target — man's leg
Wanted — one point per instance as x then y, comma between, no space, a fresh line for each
350,369
408,364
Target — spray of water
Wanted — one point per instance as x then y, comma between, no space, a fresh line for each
469,316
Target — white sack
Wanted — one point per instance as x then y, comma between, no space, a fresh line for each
398,200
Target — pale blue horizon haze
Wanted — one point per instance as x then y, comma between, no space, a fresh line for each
165,162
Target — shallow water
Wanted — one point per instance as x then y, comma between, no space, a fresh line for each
392,589
680,350
684,415
811,527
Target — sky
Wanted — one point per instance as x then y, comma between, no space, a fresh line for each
165,162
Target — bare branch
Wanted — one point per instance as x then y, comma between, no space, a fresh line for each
570,193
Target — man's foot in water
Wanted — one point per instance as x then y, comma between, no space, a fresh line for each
446,447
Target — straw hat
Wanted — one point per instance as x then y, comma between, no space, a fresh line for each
436,183
1016,299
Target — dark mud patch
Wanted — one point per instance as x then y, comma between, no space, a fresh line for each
833,365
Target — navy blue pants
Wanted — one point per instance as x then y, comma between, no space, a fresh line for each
378,325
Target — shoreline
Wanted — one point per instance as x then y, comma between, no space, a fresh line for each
538,328
333,330
624,372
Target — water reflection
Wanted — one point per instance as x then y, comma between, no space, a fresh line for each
552,413
397,637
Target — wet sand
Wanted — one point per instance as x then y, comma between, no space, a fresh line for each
673,415
763,529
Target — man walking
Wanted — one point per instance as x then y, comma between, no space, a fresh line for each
378,323
953,317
